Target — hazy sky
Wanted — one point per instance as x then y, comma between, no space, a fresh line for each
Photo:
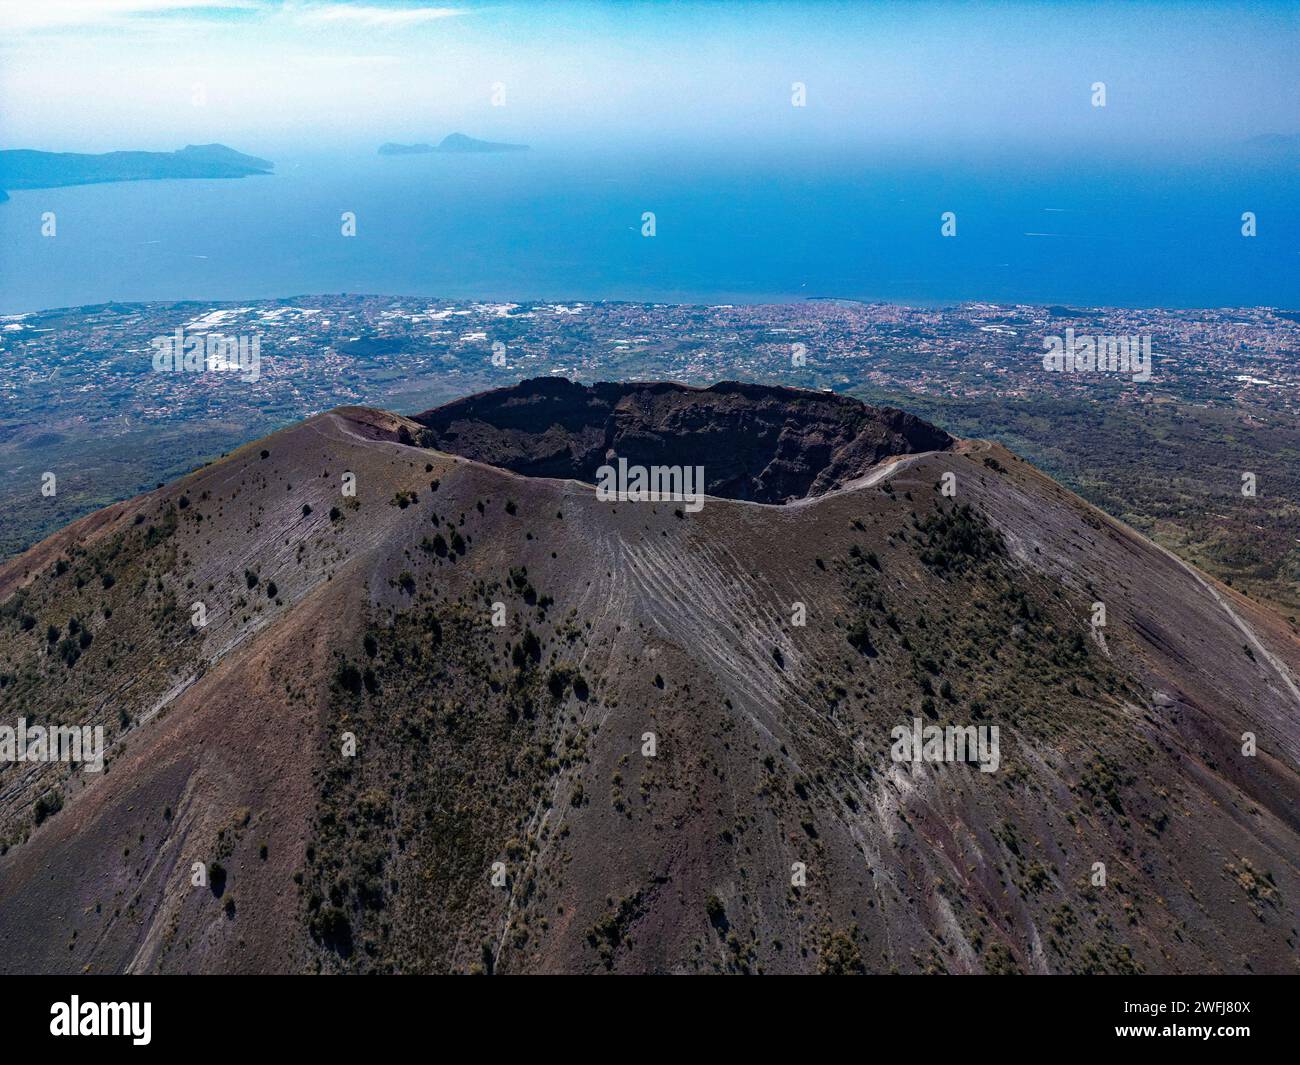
264,76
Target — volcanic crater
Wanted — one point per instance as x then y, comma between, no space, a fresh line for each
760,443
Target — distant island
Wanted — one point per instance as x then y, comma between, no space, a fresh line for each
26,169
452,144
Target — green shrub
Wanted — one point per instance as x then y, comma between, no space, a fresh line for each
47,805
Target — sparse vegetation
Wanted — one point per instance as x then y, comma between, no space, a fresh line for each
46,806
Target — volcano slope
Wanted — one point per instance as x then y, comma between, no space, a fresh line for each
673,754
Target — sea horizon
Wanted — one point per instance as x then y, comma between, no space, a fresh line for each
747,229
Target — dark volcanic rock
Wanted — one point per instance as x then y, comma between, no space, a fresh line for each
756,442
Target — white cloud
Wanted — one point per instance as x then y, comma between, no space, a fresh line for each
19,15
35,15
371,15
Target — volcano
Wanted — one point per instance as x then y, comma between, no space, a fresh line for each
405,694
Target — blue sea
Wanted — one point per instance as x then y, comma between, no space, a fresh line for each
730,228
